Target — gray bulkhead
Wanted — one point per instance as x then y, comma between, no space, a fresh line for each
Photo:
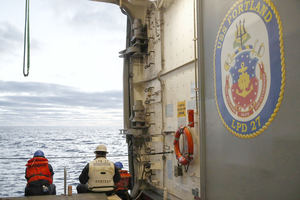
163,79
266,166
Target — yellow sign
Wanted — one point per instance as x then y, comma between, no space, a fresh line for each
181,109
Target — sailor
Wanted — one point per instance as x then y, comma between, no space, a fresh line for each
39,176
100,175
123,185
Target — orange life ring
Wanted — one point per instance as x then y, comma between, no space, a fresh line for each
184,159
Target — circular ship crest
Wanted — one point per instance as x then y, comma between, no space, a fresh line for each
249,67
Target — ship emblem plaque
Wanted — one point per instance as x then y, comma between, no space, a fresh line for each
249,69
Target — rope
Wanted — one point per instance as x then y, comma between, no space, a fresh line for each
138,196
59,157
26,57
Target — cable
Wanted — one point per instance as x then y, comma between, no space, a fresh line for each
138,196
26,58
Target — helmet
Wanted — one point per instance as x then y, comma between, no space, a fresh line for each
101,148
119,165
38,153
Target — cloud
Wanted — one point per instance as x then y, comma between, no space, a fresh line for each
53,95
12,41
103,18
10,38
65,30
89,14
43,103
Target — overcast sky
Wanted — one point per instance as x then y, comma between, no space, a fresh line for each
75,74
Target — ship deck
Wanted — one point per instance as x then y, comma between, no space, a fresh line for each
89,196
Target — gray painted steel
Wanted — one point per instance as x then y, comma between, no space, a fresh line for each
267,166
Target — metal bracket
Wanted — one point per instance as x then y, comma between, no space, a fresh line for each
123,131
148,89
195,192
166,147
148,65
149,113
168,132
148,101
178,171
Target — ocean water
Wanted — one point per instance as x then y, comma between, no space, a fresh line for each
65,147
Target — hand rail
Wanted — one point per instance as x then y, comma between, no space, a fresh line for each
65,181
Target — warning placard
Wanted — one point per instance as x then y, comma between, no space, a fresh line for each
181,109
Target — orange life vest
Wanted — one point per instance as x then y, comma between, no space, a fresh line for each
37,169
124,182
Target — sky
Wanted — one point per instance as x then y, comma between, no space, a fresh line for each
75,73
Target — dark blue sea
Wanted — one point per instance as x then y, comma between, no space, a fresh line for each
75,144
